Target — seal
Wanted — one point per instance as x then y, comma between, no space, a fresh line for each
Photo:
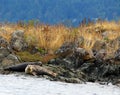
21,67
39,70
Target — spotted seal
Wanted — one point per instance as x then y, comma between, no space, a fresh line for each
39,70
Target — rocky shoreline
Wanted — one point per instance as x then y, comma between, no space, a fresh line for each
70,63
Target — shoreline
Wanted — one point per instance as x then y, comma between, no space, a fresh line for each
75,56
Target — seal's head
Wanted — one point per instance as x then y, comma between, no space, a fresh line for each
30,69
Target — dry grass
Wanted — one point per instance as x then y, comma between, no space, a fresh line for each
102,30
109,26
7,29
47,37
50,38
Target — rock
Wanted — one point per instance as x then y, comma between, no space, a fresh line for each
101,55
109,73
90,70
103,72
3,42
65,48
17,41
78,65
117,82
109,70
13,57
10,60
66,63
4,72
72,56
60,78
80,52
6,56
3,53
98,45
67,73
75,59
18,34
70,80
79,55
117,55
73,80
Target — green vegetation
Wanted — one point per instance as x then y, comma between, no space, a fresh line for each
27,57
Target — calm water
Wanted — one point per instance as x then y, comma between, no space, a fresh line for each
22,85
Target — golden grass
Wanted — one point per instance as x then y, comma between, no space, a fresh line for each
112,26
47,37
8,29
50,38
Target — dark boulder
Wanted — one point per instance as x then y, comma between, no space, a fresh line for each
103,72
74,59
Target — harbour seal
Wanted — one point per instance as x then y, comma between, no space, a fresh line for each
21,67
39,70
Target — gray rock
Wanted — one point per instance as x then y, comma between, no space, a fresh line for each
117,55
10,60
80,41
101,54
13,57
3,42
98,45
65,47
18,34
73,80
3,53
109,71
70,80
78,55
18,45
117,82
74,59
80,52
17,41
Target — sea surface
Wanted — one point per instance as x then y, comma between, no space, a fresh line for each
26,85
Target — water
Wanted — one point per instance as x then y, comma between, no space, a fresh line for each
22,85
